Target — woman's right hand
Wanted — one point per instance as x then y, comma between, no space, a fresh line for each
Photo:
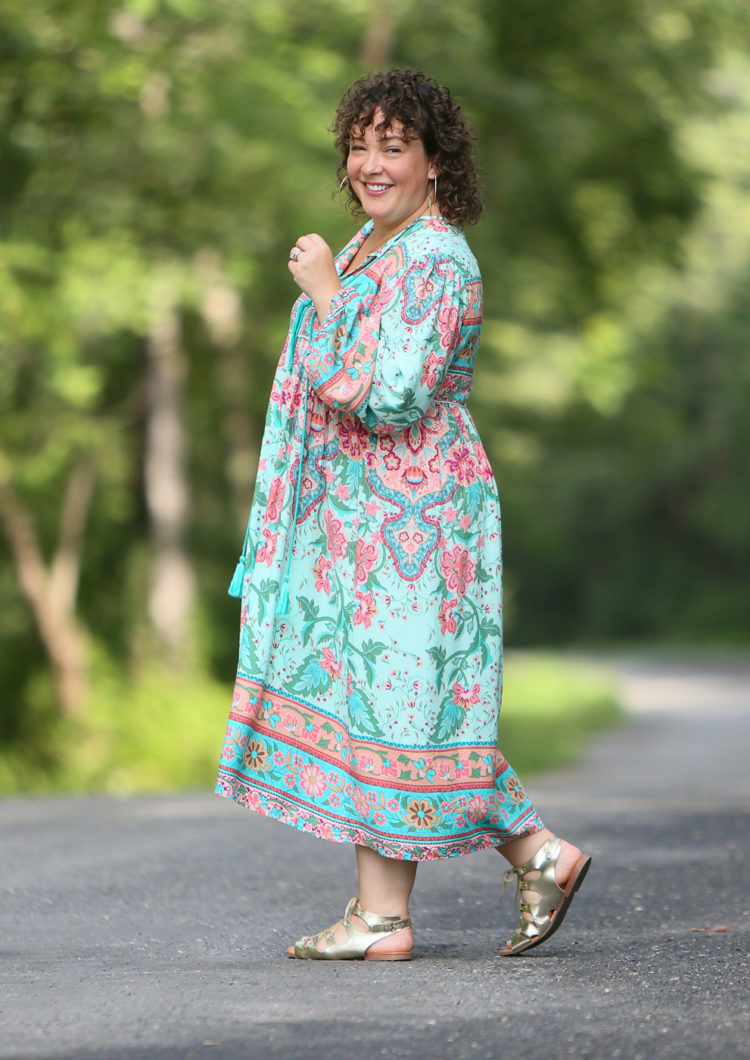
314,271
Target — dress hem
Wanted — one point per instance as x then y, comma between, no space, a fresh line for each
401,849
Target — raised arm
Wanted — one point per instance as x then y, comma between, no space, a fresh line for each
383,356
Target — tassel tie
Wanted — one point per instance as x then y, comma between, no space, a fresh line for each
300,436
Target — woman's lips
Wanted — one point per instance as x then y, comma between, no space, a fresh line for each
376,189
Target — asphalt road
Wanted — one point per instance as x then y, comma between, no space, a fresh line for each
154,928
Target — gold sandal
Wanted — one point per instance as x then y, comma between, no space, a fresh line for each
357,941
552,901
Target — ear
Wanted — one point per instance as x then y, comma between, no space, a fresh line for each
432,171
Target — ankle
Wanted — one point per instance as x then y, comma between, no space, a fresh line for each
382,904
522,849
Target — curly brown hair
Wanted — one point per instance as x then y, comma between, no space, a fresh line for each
425,110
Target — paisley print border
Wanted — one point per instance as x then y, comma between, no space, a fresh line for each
287,759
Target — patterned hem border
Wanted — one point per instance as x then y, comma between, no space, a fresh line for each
401,850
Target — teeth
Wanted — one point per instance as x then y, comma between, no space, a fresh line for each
377,187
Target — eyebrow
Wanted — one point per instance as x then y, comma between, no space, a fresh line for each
393,136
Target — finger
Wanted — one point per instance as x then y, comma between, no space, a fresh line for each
312,241
319,243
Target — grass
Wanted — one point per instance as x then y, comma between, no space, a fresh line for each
552,707
160,732
155,733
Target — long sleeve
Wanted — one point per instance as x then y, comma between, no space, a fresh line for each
383,355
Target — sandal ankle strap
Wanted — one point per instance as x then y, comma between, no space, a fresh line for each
375,922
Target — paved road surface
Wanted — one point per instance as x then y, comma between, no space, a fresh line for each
154,928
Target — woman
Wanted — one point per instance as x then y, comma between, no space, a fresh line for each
370,671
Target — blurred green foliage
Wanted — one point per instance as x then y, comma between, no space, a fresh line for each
181,146
163,731
555,704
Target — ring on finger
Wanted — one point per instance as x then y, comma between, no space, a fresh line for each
294,253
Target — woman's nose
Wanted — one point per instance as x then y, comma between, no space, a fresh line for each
372,163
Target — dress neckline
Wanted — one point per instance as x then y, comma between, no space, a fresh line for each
350,250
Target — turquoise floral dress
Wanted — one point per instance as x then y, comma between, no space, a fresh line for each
369,682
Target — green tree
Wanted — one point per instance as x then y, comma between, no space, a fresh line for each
157,160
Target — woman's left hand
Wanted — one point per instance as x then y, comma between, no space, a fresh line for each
314,271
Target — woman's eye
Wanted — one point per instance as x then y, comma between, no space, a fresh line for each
394,150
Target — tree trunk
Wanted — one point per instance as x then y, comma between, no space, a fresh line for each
378,40
221,309
172,584
51,592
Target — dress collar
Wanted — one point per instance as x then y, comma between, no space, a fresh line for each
351,248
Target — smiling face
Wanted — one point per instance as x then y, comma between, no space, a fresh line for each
389,172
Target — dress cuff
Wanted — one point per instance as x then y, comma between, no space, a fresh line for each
332,317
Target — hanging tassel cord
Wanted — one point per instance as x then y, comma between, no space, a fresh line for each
238,578
283,607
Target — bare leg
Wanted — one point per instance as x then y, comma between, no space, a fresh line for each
385,885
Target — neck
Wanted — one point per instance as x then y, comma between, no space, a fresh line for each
382,232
